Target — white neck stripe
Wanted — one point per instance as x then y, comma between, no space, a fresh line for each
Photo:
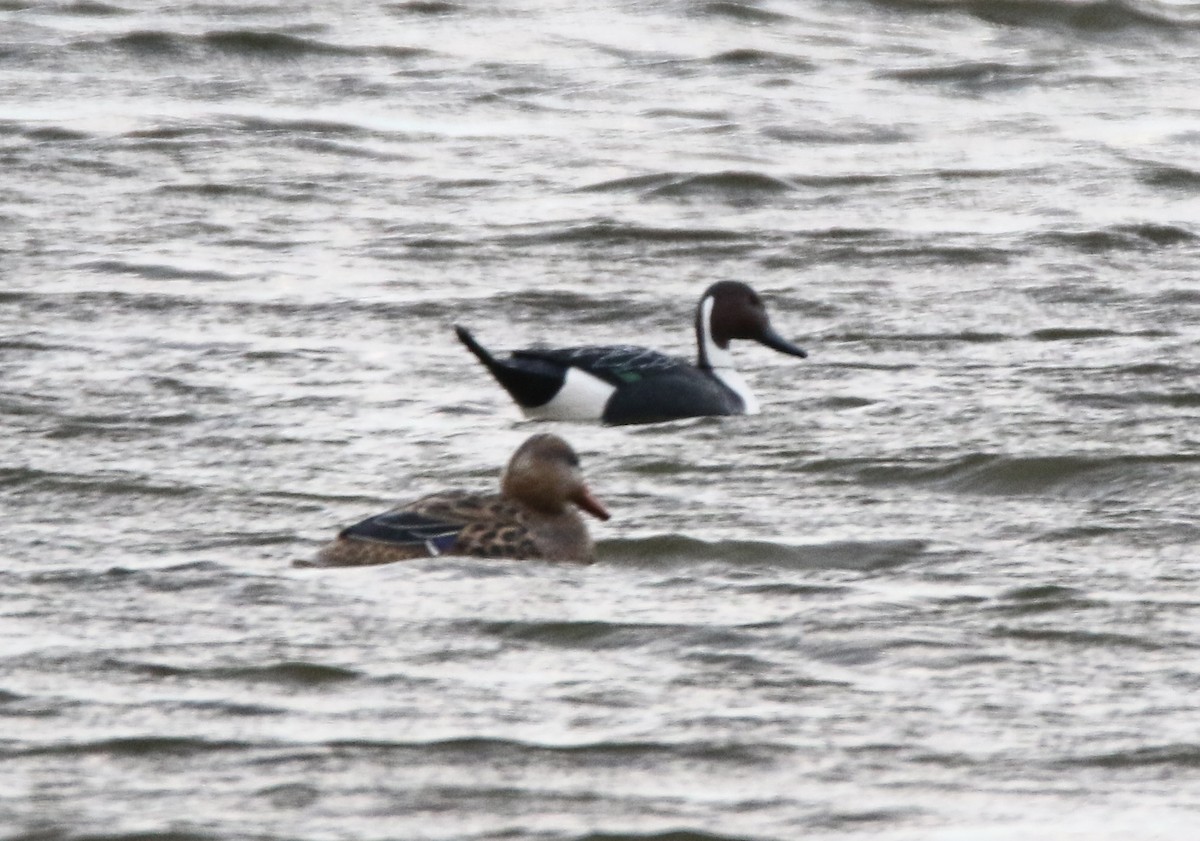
716,357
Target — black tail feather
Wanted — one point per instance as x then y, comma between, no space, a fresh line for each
530,382
464,336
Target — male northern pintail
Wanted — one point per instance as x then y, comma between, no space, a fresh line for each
533,517
624,384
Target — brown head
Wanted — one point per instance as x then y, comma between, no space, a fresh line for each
730,310
544,475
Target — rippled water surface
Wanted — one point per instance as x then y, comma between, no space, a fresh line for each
945,586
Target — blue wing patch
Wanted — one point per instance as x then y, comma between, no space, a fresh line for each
405,528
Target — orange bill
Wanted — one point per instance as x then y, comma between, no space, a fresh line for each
590,504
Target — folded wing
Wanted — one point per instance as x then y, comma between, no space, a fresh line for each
615,364
406,528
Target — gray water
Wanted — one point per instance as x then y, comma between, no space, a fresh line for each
943,587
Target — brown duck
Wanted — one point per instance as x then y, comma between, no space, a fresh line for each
533,517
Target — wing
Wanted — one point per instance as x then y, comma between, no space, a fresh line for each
406,528
615,364
490,526
441,524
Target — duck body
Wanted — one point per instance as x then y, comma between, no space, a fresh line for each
618,384
534,517
458,523
627,384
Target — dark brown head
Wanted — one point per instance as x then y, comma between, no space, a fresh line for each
732,310
544,475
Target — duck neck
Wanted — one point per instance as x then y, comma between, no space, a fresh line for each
564,537
719,361
711,355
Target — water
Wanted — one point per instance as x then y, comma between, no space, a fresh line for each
944,587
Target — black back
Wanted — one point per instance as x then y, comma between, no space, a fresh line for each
618,365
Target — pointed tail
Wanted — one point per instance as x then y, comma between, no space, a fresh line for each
464,336
530,382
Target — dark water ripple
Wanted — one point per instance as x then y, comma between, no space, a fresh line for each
975,76
1086,16
987,473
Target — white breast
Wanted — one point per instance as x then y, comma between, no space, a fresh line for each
581,398
740,387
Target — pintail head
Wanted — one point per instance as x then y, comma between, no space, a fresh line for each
732,310
544,475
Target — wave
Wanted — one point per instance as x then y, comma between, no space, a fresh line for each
1011,475
1181,755
619,233
1078,638
250,44
52,134
730,186
110,484
1092,16
636,183
591,635
1027,601
744,12
973,75
160,303
289,673
1122,400
871,135
670,549
300,126
921,253
475,749
228,708
725,181
472,749
169,579
762,60
153,271
59,834
1077,533
1156,369
91,9
145,43
702,114
1119,238
1073,334
135,746
1169,176
669,835
27,346
324,136
117,427
735,187
973,337
296,192
844,402
1174,297
431,8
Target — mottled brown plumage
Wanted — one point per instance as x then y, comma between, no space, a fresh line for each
533,517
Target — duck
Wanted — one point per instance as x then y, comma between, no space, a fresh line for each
627,384
535,516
